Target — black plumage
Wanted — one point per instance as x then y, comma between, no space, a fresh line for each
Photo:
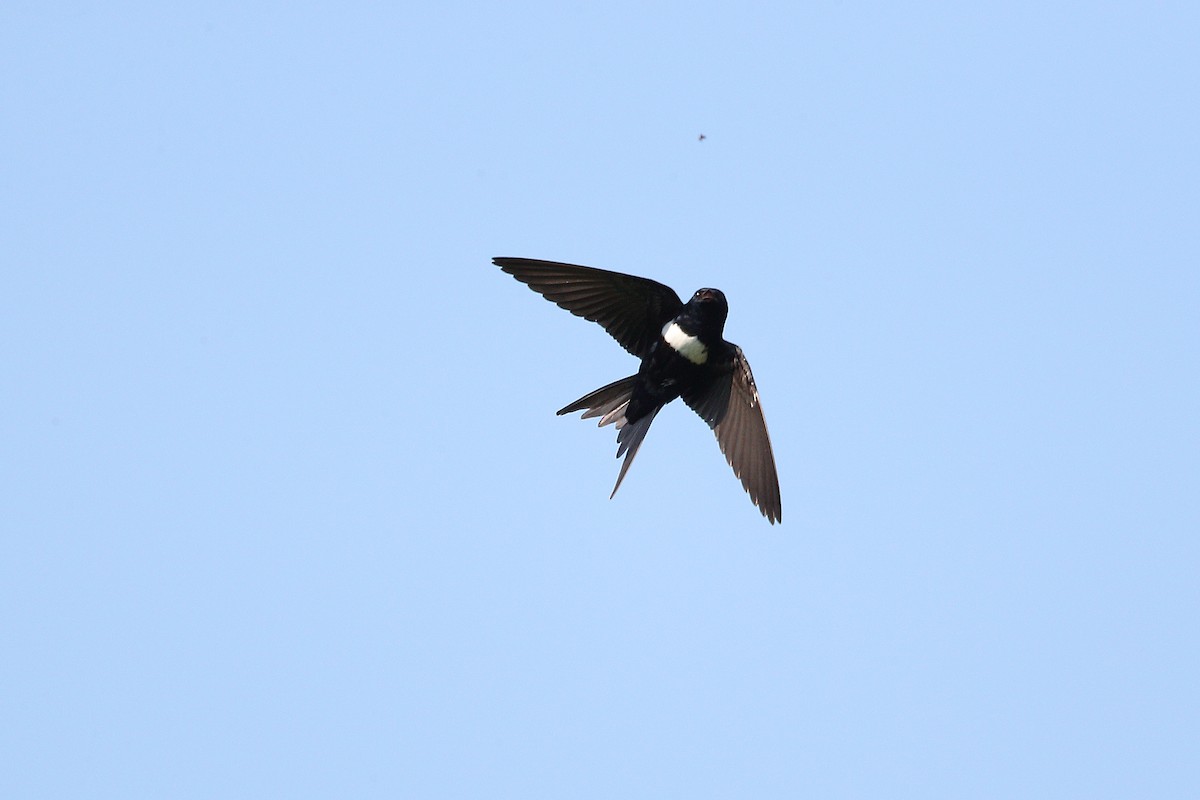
683,354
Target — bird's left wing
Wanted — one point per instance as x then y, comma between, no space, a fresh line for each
731,407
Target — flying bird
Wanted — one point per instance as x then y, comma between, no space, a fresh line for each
682,353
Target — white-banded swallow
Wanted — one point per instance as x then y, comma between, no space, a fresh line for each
683,354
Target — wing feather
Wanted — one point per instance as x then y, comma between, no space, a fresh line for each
632,309
732,408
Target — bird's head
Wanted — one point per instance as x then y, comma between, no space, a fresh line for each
709,308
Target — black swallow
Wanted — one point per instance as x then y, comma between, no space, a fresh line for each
683,355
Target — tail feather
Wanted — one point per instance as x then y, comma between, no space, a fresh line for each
609,403
628,441
605,402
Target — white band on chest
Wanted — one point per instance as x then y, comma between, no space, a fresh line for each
684,343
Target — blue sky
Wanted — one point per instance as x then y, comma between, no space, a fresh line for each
287,508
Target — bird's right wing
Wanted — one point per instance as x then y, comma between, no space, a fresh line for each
632,309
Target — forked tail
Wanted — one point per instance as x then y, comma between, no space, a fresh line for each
609,403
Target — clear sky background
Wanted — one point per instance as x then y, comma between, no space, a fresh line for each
286,508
